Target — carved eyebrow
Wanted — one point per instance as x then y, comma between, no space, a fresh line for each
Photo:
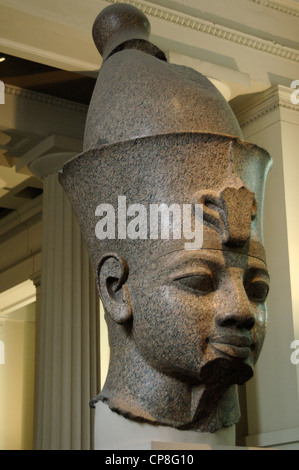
194,261
212,259
258,271
183,259
198,262
173,271
257,265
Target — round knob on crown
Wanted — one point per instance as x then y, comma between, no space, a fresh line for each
116,24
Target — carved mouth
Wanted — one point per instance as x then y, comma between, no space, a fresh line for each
234,345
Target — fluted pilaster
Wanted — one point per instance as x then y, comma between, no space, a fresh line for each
68,362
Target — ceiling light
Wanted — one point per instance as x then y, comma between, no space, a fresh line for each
2,59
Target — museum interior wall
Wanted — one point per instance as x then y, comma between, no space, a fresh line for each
54,348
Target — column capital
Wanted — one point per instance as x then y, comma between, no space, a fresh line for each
49,155
49,164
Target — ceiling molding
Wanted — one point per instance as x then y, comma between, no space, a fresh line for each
35,53
23,216
278,6
45,99
211,29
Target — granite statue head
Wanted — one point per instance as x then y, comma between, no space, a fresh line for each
186,316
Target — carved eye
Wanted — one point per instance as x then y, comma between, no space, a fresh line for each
200,283
257,291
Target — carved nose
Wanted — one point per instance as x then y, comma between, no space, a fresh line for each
235,310
235,319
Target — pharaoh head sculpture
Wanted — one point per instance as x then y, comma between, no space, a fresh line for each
185,311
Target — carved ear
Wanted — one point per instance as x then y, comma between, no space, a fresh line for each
112,274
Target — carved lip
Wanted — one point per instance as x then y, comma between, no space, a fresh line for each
233,345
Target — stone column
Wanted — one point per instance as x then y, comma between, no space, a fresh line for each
68,360
271,120
36,278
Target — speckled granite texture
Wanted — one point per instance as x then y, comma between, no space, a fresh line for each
185,326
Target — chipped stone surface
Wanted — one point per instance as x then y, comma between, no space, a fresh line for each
185,326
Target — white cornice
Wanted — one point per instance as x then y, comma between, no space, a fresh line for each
278,6
211,29
259,106
45,99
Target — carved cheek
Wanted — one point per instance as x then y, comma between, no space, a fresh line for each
172,326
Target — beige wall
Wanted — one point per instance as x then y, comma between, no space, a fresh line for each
20,254
17,380
289,132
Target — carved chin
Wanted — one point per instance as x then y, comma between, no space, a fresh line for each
215,403
206,405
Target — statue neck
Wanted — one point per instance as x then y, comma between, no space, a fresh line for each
138,391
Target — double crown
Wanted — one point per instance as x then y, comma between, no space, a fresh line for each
162,133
